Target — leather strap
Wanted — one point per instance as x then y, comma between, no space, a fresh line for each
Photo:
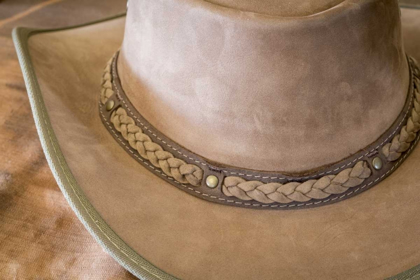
256,189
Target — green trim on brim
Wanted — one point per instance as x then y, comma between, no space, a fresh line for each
84,210
409,4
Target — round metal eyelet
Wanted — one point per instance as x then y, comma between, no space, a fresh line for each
212,181
377,163
109,105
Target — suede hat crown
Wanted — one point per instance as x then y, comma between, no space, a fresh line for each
211,115
289,93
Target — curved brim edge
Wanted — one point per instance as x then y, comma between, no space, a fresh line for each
89,217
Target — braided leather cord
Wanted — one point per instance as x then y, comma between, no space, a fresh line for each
295,191
402,141
106,83
263,192
331,184
147,149
176,168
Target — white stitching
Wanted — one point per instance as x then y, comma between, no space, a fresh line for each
138,121
261,205
272,178
250,175
96,222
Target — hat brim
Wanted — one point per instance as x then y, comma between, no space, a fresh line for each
157,231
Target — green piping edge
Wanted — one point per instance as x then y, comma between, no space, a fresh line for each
89,217
409,6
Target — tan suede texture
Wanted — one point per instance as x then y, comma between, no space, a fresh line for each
371,236
266,93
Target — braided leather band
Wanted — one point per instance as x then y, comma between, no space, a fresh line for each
257,189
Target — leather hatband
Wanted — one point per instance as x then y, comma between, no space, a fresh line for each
256,189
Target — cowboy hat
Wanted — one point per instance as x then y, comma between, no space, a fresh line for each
182,133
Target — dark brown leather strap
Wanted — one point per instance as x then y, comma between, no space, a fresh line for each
255,189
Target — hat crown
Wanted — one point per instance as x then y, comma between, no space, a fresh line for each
261,91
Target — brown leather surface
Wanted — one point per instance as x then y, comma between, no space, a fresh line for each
371,236
267,91
40,236
223,172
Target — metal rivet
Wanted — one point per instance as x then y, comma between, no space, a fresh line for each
377,163
212,181
109,105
